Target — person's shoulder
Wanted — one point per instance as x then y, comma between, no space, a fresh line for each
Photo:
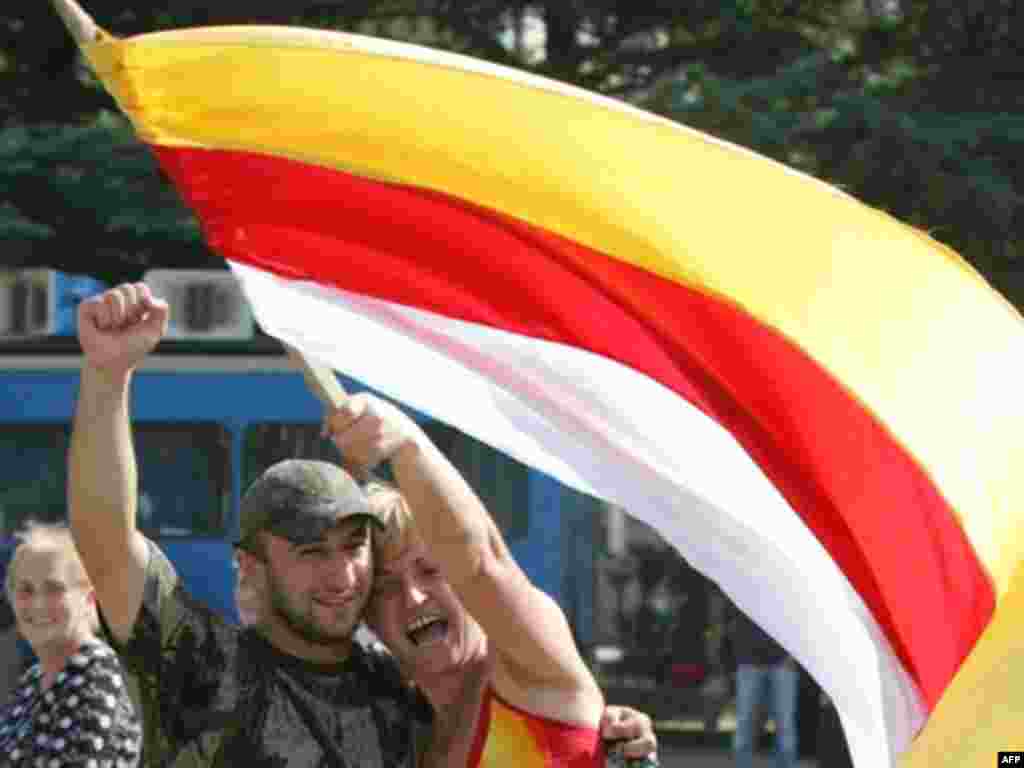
7,620
385,679
22,690
379,669
94,653
98,663
166,597
159,564
374,659
173,631
31,674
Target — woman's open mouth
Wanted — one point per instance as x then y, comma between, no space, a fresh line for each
427,629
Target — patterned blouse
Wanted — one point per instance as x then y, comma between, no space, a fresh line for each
85,719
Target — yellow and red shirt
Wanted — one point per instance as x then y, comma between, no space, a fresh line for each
507,735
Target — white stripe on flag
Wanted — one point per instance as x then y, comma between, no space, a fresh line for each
604,429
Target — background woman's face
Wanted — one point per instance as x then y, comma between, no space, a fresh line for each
52,600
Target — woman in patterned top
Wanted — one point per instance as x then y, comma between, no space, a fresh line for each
71,708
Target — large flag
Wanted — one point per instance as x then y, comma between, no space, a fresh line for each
817,405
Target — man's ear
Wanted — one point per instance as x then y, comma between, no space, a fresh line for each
250,567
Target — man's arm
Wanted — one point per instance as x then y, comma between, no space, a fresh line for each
116,331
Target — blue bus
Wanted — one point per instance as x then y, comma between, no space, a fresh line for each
211,412
205,425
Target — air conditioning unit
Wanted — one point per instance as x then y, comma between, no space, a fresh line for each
42,302
205,304
26,303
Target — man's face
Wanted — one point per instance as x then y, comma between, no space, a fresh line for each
416,614
315,593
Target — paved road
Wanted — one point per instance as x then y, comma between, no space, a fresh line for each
677,757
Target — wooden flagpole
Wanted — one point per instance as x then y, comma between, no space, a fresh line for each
81,26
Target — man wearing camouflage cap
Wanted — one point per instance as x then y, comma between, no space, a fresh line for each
301,515
293,689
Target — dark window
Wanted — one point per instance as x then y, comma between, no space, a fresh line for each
267,444
33,473
183,476
500,481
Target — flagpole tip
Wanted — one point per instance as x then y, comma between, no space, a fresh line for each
81,26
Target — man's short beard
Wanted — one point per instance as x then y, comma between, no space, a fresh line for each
304,626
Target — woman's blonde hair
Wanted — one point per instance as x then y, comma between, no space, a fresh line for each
36,537
400,527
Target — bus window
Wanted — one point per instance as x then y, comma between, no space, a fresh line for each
33,473
269,443
500,481
184,478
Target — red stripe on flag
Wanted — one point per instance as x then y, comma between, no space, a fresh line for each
865,498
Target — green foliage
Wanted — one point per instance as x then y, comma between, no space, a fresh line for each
99,172
16,227
878,131
72,191
913,106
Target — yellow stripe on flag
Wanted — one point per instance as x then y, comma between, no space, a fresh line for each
887,311
982,711
850,285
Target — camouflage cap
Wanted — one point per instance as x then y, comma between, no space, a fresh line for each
300,500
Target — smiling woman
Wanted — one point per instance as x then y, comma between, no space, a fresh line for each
485,646
72,707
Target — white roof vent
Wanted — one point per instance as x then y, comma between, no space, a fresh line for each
205,304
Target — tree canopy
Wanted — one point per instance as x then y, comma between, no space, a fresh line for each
913,106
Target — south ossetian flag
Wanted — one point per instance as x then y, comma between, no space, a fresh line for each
817,405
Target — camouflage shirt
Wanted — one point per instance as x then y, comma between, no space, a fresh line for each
214,694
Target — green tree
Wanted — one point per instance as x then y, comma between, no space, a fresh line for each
912,105
88,197
903,111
